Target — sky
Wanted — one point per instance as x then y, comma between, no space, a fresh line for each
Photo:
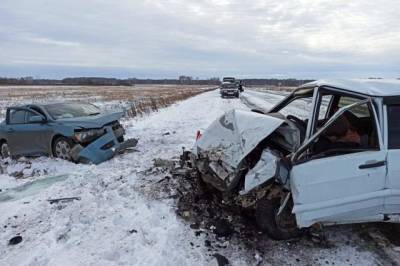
200,38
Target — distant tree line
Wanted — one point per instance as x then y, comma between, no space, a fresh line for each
183,80
276,82
97,81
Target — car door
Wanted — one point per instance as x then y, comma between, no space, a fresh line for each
40,132
339,185
16,120
25,137
392,142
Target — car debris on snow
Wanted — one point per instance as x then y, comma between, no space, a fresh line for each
15,240
221,260
51,201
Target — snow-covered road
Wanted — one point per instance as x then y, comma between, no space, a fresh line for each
117,222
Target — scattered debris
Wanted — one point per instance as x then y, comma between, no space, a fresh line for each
17,174
51,201
222,260
15,240
165,178
158,162
208,212
223,228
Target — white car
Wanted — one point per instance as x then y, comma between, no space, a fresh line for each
328,153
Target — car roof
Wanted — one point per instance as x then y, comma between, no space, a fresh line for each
371,87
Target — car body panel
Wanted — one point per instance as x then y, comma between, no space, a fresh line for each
392,201
371,87
227,141
235,134
29,139
95,151
326,188
269,167
97,121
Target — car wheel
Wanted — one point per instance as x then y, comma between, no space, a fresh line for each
280,227
4,150
62,147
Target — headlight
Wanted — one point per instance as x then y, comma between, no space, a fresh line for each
88,135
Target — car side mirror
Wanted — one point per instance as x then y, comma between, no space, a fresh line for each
37,119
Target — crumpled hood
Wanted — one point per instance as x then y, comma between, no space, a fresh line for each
234,135
96,121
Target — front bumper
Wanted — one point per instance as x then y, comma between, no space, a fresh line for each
229,92
102,149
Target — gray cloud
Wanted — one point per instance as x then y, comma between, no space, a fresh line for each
294,38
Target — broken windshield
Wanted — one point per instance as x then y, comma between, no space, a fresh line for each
71,110
300,107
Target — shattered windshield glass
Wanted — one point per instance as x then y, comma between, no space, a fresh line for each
71,110
300,107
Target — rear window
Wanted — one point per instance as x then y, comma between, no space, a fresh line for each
359,111
394,126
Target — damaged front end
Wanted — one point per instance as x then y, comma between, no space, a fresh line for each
244,150
98,149
243,159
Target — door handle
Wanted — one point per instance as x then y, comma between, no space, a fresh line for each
10,130
372,164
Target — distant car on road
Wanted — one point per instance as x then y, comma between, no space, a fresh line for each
70,131
230,87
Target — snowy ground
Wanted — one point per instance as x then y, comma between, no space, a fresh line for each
118,219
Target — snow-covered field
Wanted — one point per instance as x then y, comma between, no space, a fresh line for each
109,98
119,221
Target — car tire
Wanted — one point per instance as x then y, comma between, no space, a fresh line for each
267,220
62,147
4,150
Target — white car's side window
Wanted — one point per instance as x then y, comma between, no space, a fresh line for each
354,130
393,126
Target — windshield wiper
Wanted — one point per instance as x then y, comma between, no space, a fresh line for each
94,114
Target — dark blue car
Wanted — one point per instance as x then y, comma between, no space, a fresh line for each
72,131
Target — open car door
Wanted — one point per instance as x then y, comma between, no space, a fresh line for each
340,184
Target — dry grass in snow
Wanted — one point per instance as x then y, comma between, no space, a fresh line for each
136,100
